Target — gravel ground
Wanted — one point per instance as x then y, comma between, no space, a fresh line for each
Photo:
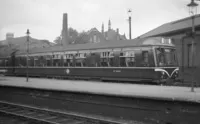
6,119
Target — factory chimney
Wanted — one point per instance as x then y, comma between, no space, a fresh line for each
65,34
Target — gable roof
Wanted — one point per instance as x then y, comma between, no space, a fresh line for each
173,27
114,35
92,30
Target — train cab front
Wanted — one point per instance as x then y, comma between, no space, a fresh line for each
167,75
167,69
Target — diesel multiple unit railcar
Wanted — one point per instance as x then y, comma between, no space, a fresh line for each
142,60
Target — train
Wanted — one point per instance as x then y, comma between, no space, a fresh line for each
151,60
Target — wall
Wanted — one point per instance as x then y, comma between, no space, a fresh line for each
188,72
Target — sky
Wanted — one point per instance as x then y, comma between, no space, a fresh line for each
44,17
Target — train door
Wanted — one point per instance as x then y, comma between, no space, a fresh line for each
13,63
116,58
143,57
190,59
151,60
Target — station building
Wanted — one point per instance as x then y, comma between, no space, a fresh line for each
180,33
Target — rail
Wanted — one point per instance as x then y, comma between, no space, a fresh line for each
40,115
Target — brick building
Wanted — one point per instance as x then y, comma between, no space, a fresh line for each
95,36
20,43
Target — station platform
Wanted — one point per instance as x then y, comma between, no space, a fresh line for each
172,93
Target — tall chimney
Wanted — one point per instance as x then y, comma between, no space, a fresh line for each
117,30
9,37
65,30
102,29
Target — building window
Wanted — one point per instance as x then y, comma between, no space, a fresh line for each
95,38
98,40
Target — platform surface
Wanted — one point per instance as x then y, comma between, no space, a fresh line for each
115,89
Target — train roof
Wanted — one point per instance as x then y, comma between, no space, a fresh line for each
154,41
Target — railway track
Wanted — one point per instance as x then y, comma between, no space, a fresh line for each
129,110
40,115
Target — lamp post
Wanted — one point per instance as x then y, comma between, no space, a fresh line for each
27,58
192,10
129,20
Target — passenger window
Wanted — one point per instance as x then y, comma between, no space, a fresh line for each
69,60
6,62
80,59
30,61
127,59
107,59
56,60
36,61
48,60
131,62
42,61
122,59
1,62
